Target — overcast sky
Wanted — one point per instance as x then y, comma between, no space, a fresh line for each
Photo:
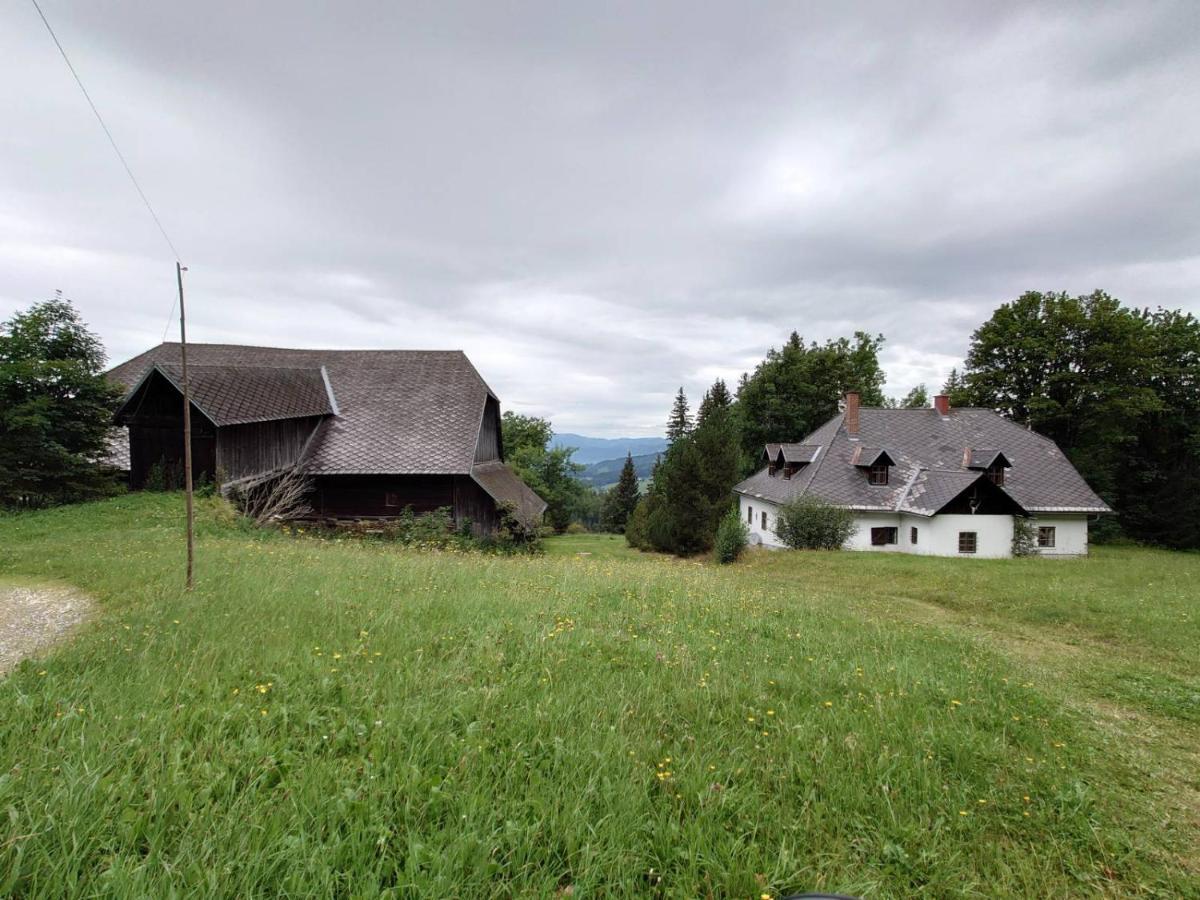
599,202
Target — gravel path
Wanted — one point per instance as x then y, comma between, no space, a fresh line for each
31,619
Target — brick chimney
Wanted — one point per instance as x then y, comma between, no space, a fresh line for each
942,404
852,398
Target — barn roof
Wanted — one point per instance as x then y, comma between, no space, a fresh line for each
397,411
239,395
932,462
503,486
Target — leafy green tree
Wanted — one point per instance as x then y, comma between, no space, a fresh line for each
622,499
1163,463
524,435
1073,369
56,409
679,424
797,387
550,472
917,398
1115,387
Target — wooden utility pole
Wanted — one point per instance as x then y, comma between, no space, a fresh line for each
187,428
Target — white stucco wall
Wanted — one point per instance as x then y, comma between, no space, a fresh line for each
936,535
864,522
1070,534
752,504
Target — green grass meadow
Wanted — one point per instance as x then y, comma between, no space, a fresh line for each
339,718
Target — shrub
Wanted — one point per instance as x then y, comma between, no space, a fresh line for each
732,536
577,528
807,523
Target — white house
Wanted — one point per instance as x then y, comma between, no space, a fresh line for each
939,482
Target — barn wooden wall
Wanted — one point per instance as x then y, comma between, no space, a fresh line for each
262,446
365,496
488,446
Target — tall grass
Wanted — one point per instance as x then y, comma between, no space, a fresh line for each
332,718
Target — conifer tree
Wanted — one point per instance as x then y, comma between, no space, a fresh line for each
622,499
679,424
715,398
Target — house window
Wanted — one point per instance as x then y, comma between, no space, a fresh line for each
391,498
912,535
764,521
750,514
788,471
1046,536
881,537
878,474
967,541
996,474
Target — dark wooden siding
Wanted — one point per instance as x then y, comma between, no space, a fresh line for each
366,496
156,435
348,496
488,446
261,446
472,503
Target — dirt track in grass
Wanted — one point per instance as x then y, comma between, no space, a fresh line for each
32,619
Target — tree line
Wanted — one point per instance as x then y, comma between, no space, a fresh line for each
1116,387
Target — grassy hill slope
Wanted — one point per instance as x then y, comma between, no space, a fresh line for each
341,718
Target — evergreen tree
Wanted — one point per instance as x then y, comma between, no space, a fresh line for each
715,398
956,389
717,439
680,422
622,499
56,408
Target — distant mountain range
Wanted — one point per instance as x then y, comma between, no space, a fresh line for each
590,450
608,471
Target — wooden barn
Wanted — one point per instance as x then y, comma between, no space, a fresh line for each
375,431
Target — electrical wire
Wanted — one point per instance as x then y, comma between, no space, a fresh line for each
112,141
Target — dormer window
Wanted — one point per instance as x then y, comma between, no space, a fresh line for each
878,474
771,470
995,474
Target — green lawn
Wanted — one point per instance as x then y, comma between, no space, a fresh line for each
336,718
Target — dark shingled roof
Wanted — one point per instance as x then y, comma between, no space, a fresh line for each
928,452
799,453
238,395
398,411
503,486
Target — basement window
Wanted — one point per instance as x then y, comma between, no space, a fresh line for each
391,498
881,537
967,541
912,536
878,474
1046,536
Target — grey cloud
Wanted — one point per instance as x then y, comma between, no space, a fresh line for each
600,202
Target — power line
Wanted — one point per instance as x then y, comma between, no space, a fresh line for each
108,134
